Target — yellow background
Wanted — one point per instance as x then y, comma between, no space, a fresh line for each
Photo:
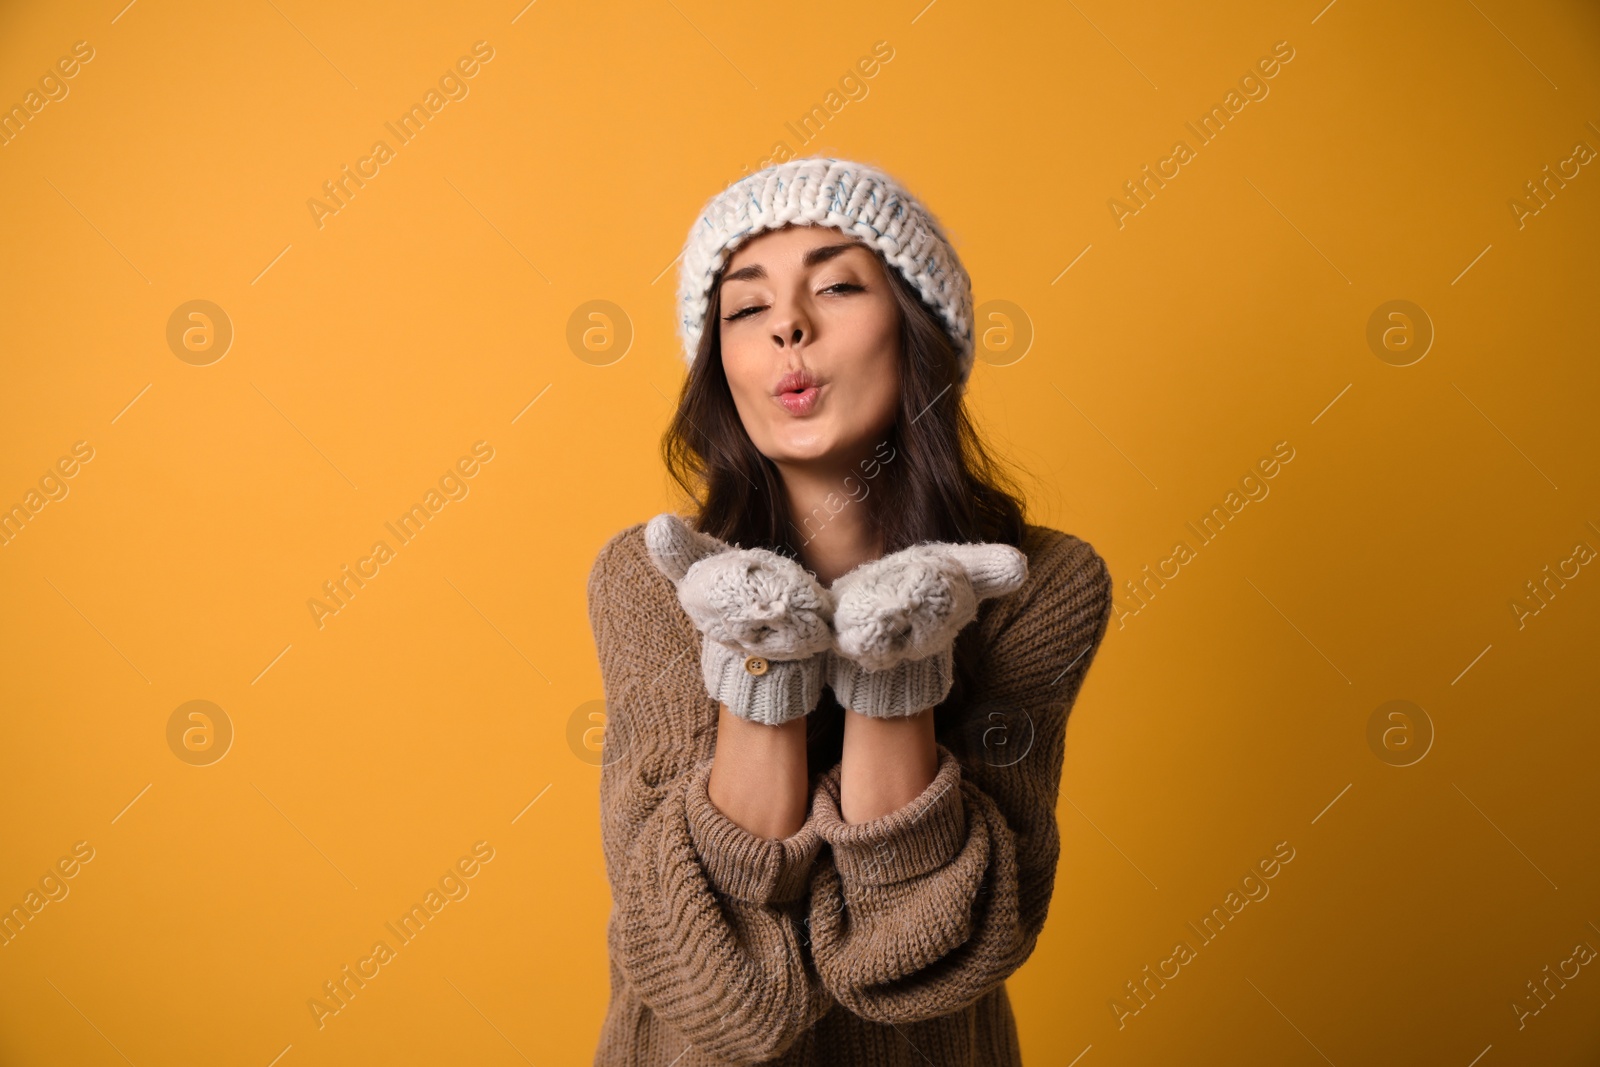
434,311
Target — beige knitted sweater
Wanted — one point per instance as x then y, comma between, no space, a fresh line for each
884,942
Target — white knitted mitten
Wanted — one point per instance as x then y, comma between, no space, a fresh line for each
896,619
764,620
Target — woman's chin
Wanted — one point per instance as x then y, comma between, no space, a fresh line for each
807,447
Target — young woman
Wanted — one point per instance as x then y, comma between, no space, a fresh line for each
837,696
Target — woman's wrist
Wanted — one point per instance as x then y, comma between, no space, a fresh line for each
886,763
759,778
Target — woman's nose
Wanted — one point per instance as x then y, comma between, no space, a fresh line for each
790,327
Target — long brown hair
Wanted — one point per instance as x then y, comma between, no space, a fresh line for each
931,479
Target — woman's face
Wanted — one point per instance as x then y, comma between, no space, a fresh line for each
811,303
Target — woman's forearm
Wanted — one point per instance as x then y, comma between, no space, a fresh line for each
758,774
887,763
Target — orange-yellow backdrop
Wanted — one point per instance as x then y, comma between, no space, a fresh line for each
191,474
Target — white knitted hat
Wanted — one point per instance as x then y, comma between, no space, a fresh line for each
819,191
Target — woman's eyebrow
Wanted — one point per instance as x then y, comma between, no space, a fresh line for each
820,254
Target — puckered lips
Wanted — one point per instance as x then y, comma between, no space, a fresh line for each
798,392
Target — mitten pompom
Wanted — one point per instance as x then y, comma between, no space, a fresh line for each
759,601
912,603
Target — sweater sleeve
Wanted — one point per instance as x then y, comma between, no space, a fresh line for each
924,910
706,923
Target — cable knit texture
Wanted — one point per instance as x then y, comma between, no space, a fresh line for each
748,602
875,943
851,197
786,690
896,621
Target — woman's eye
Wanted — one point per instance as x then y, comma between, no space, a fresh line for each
847,287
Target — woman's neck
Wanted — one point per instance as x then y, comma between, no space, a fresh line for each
830,530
